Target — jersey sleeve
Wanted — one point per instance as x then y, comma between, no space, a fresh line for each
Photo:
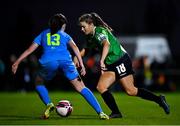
68,38
102,36
38,39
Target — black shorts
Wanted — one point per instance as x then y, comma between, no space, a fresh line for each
122,67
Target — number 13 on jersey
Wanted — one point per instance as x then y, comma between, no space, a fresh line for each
54,40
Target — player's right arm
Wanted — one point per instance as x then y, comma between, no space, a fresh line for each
27,52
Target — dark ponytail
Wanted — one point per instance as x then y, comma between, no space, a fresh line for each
56,22
95,19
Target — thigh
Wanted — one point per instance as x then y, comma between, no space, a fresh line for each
69,70
48,71
106,79
128,84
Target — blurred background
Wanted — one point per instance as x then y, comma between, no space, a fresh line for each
148,29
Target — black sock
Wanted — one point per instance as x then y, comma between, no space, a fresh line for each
145,94
110,101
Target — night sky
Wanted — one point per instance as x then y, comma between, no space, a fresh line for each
22,20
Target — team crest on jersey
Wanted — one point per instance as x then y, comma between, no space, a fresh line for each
101,37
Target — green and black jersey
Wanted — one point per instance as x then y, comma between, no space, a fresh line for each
116,51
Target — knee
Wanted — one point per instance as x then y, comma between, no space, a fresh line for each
78,85
39,80
101,88
79,88
132,91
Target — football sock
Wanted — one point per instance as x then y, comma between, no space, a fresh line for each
145,94
43,94
110,101
91,99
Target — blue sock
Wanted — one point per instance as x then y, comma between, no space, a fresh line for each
91,99
43,94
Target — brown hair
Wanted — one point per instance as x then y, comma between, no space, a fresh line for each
95,19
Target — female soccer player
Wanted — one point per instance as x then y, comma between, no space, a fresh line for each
115,63
57,57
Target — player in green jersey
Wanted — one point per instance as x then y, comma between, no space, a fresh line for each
115,63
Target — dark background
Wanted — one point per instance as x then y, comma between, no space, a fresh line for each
22,20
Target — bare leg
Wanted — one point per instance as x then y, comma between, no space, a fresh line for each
128,84
78,84
89,96
105,81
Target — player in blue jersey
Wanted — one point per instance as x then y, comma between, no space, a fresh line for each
56,57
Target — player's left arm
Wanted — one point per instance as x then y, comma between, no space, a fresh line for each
27,52
78,55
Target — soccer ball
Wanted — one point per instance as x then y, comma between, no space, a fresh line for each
64,108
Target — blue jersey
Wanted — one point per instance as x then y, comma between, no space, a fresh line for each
54,46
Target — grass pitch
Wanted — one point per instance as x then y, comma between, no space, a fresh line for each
26,108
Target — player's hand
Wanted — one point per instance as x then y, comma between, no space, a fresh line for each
103,67
83,71
76,62
14,67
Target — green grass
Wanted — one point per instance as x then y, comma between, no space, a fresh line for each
19,108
